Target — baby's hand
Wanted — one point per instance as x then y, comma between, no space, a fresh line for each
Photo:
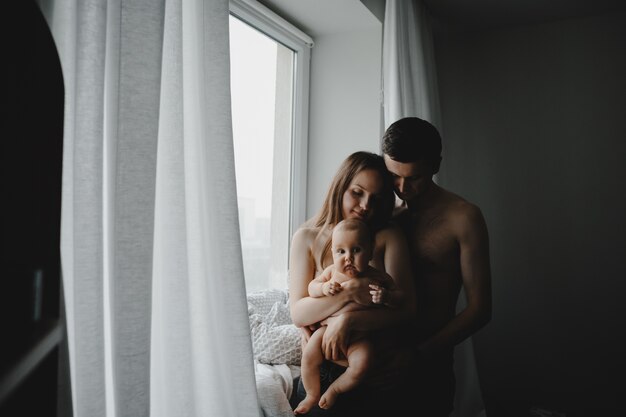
331,288
378,294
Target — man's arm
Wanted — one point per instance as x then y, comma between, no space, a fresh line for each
385,292
397,280
476,275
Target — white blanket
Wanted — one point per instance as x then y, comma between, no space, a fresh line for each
275,340
274,384
277,350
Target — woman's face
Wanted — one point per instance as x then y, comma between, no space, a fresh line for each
362,197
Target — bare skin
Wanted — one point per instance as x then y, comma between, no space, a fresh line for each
306,312
448,245
351,251
357,356
355,353
449,248
389,256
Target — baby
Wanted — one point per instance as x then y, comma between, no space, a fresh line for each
352,248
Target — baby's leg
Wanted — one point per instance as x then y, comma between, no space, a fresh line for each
359,361
312,358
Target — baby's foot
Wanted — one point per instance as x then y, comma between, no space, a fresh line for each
305,405
328,399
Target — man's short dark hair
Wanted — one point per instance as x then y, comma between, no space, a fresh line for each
412,139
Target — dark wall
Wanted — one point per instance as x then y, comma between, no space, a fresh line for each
31,168
32,145
534,130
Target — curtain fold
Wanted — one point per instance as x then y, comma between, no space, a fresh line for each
410,90
409,72
151,259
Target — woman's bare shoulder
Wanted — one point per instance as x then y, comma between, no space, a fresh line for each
306,234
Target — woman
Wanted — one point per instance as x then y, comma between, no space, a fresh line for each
361,189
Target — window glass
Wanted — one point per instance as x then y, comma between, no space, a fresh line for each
262,111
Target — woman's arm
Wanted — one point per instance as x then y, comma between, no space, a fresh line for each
306,310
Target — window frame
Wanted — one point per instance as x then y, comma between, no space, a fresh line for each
274,26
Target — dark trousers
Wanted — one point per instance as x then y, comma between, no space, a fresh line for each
363,401
427,391
434,385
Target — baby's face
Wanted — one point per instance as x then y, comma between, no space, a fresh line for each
351,253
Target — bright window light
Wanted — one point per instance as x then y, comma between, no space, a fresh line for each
262,111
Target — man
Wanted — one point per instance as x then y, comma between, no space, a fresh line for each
449,249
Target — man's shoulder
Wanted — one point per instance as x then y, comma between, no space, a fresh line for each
458,205
462,213
464,208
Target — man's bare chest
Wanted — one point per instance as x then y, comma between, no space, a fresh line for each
432,241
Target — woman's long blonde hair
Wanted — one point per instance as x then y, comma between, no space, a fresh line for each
331,212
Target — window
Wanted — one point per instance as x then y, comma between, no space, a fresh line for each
269,94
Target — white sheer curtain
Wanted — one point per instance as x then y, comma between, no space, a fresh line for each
409,72
155,299
410,90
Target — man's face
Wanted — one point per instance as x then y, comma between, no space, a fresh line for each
410,179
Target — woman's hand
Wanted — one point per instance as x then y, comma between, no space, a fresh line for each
335,339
